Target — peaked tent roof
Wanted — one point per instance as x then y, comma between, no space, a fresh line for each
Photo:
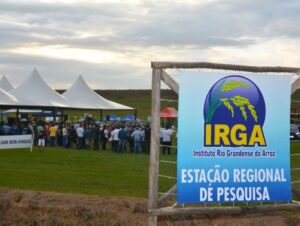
80,95
5,84
169,113
7,99
37,91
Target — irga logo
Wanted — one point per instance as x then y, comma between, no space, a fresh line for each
234,113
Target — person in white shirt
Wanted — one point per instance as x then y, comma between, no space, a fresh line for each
166,134
65,136
115,139
104,134
80,141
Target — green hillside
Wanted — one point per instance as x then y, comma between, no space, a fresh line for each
295,107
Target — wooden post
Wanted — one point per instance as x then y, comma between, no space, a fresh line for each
296,85
191,65
169,81
164,198
154,150
216,211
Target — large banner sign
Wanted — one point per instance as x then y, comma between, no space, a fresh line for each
16,141
233,141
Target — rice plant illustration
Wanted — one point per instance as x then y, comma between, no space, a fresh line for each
240,102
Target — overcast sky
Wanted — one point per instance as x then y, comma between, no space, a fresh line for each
111,43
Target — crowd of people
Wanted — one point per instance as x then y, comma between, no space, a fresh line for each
116,136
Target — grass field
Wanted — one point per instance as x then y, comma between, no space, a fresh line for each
87,172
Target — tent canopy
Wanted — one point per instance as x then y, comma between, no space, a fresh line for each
37,91
80,95
7,99
169,113
5,84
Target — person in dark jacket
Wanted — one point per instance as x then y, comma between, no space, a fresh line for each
122,140
96,137
147,139
104,135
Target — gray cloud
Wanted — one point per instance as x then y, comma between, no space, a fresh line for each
62,73
133,29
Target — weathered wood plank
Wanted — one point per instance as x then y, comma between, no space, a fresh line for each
193,65
167,195
154,150
169,81
223,210
296,84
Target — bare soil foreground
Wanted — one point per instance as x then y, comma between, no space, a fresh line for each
43,208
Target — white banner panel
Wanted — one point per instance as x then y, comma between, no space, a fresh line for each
16,141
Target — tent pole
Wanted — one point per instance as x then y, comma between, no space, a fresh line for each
101,115
54,114
17,115
62,118
135,114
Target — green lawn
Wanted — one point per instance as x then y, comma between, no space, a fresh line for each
295,163
87,172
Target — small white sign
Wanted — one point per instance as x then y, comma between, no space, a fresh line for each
16,141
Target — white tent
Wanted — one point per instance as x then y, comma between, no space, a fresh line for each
37,91
8,99
5,84
80,95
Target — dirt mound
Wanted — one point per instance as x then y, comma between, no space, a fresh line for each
44,208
